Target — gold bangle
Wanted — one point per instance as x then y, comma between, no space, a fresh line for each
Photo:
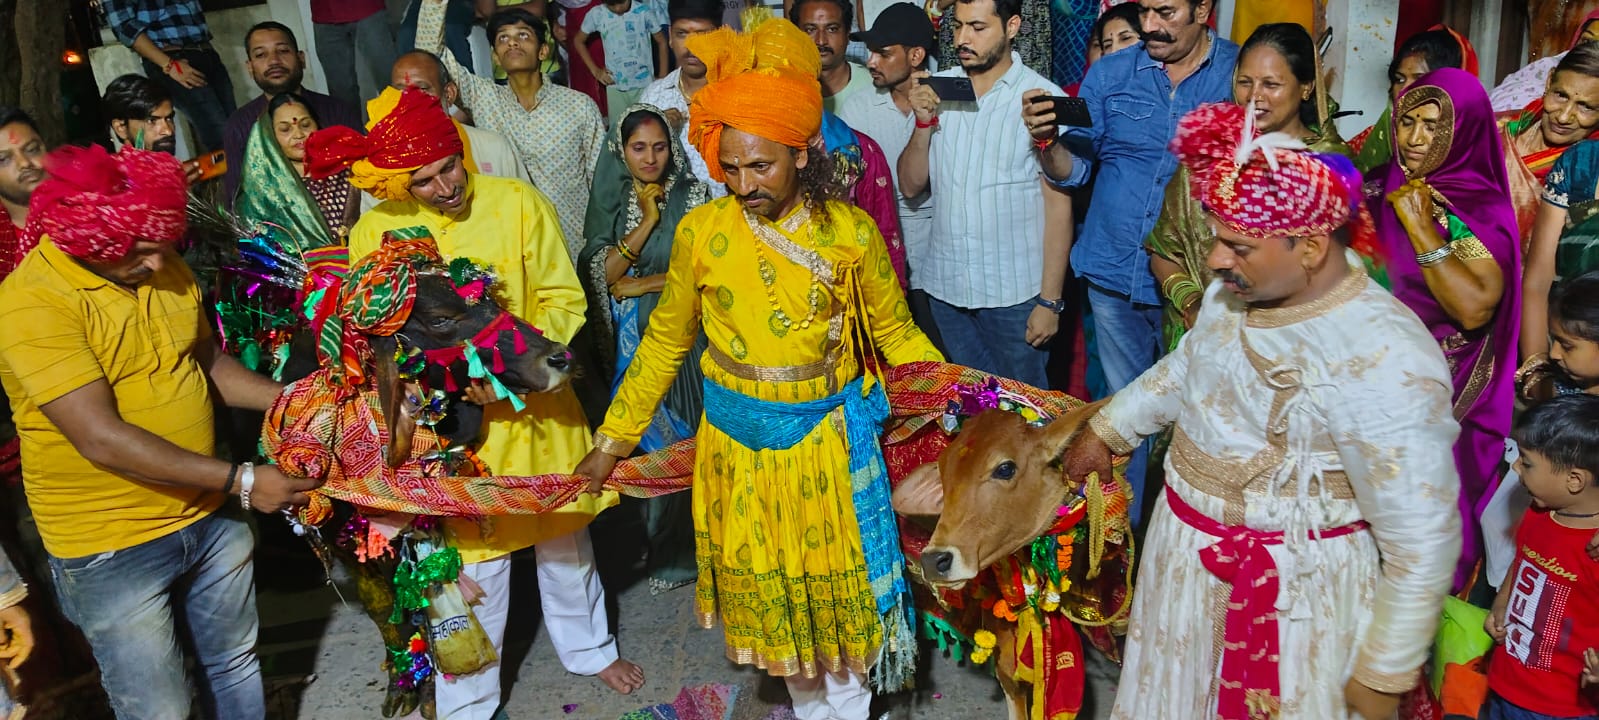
626,252
1167,285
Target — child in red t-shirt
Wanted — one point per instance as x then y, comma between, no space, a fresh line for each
1546,617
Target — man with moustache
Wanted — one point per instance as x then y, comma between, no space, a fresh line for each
111,371
1297,562
141,115
1135,99
901,42
798,549
486,152
412,160
277,66
173,41
672,93
828,24
996,267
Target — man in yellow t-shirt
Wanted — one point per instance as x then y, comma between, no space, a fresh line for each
507,225
109,367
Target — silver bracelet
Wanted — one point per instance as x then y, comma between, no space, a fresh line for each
246,483
1433,257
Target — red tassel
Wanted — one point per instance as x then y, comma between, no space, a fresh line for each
499,361
449,381
518,343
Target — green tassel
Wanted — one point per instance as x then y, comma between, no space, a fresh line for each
475,369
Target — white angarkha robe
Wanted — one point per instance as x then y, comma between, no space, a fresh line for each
1295,419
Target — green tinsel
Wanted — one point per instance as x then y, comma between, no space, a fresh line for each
413,580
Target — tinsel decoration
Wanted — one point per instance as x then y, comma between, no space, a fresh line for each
410,663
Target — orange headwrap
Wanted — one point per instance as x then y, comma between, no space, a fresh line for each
407,130
762,82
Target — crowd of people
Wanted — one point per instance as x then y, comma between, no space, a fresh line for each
1351,378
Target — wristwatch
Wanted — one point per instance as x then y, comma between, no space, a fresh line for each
1054,306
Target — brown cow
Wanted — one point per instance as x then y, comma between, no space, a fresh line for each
994,490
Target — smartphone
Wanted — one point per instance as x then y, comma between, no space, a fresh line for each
1069,111
951,89
212,165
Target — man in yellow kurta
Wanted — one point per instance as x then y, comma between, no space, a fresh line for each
411,159
794,536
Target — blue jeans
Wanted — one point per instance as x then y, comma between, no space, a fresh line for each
1497,708
141,606
993,340
207,107
458,19
347,49
1127,335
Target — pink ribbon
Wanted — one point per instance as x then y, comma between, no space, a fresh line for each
1251,687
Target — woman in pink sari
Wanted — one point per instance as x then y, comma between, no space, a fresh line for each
1448,232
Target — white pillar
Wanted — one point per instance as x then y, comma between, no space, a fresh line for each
1362,45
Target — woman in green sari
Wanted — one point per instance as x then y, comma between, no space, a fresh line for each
643,186
1565,241
275,190
1277,74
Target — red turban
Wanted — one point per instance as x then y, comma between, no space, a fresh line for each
407,130
1263,186
94,205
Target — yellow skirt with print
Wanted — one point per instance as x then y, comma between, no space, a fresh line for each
777,543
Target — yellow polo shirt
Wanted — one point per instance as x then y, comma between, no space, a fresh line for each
66,327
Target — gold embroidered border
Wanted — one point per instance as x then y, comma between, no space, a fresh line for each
1481,372
785,373
1107,433
1384,682
1470,249
611,446
1210,475
1444,139
1346,290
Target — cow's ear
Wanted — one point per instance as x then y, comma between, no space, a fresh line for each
920,494
1059,433
391,401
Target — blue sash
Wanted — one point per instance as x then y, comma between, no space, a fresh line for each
771,425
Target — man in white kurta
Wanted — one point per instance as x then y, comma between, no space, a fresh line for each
1311,450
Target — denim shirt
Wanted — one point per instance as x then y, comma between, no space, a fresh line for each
1135,113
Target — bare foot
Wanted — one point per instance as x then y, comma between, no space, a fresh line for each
623,676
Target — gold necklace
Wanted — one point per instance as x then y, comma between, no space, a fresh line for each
768,273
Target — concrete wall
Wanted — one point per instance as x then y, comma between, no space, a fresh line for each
1362,45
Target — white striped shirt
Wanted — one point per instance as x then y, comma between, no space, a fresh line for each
988,205
875,115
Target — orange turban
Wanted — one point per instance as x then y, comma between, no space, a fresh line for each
762,82
408,130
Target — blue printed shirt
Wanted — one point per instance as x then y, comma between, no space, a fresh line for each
166,22
1135,112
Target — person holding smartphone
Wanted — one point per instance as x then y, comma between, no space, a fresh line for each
996,265
1135,98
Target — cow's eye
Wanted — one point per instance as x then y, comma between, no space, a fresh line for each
1005,471
440,322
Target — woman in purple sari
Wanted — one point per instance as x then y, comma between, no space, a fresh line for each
1448,233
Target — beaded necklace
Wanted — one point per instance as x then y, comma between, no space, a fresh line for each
768,272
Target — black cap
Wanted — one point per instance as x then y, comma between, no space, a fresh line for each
899,24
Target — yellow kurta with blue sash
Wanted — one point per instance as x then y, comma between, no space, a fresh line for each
777,536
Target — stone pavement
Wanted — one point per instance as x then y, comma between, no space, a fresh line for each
321,658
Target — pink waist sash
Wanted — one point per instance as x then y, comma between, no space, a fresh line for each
1250,686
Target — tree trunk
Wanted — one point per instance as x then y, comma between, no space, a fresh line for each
40,32
10,82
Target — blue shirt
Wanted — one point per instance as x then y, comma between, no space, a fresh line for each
1135,113
166,22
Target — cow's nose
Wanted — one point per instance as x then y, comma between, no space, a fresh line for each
938,562
561,361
